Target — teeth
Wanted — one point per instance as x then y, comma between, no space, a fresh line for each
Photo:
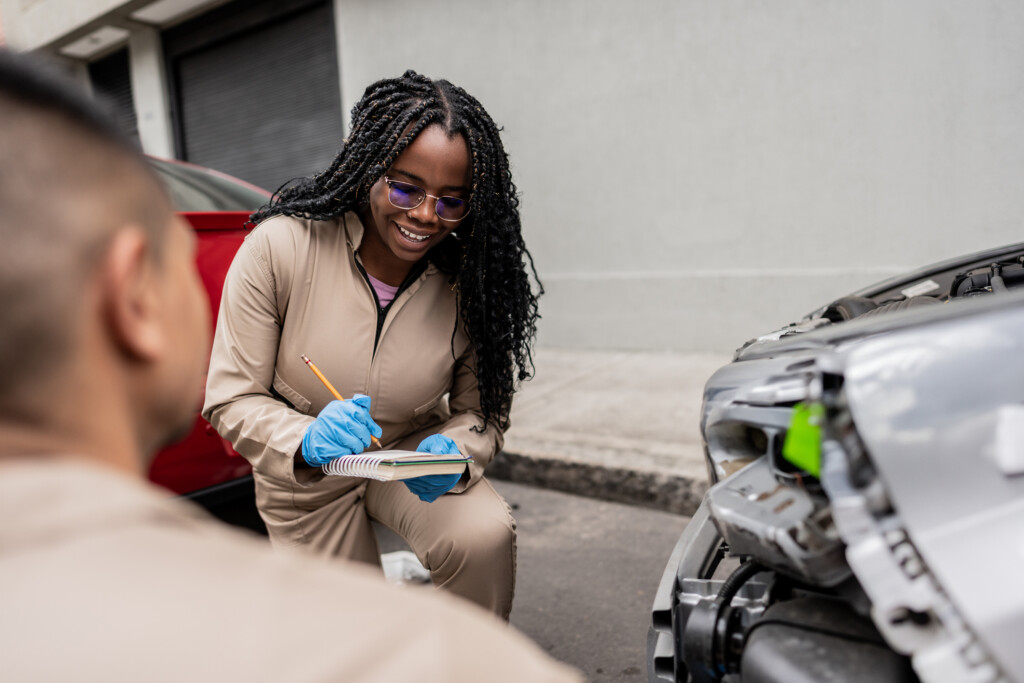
416,238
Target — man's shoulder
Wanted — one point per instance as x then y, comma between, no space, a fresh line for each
160,573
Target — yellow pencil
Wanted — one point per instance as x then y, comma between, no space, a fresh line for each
330,387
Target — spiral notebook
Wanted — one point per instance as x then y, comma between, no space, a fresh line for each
395,465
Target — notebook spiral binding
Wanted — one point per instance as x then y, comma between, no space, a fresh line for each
355,466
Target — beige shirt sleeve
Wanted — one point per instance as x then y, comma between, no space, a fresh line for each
466,418
239,403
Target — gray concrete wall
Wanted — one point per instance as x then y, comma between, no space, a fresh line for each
697,172
36,23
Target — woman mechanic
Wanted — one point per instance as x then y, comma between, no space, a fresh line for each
401,271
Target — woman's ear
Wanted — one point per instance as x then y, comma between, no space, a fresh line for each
131,301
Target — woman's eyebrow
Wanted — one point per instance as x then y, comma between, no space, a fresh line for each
416,178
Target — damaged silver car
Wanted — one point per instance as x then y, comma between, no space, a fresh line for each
865,520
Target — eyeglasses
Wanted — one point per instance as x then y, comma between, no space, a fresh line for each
407,196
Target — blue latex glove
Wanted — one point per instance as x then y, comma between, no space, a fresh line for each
429,488
341,428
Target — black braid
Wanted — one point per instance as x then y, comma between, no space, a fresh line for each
486,258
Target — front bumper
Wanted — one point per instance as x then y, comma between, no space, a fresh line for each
686,582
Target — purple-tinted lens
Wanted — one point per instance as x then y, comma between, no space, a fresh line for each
404,195
408,196
451,208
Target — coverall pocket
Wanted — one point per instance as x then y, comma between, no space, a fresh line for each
294,398
431,404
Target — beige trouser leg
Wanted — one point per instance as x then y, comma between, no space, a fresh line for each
329,519
466,540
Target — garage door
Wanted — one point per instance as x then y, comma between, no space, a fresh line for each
256,90
111,83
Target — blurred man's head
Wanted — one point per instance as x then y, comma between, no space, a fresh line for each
102,306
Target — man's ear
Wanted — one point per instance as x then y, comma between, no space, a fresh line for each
130,296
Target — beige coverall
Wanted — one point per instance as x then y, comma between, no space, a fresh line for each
295,288
104,578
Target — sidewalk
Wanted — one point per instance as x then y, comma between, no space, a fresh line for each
620,426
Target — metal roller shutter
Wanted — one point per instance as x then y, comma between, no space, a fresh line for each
260,102
111,83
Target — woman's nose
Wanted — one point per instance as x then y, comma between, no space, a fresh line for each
424,213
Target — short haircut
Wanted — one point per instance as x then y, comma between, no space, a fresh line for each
68,179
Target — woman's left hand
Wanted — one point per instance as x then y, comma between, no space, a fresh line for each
429,488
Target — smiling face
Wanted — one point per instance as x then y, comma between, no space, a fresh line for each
395,239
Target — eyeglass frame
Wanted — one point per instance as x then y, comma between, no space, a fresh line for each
388,180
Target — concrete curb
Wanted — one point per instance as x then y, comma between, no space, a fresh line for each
676,493
612,425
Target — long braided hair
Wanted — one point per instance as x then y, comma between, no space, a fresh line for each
486,258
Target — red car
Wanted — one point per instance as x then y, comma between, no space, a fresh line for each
203,467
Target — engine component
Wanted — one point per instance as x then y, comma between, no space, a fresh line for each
778,524
808,640
998,277
714,630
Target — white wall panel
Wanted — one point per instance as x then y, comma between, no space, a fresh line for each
658,138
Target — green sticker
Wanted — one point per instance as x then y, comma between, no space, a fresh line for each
802,446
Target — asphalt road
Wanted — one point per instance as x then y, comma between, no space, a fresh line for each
587,572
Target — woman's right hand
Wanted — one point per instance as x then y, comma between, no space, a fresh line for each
341,428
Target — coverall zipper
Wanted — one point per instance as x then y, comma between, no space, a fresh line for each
382,313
